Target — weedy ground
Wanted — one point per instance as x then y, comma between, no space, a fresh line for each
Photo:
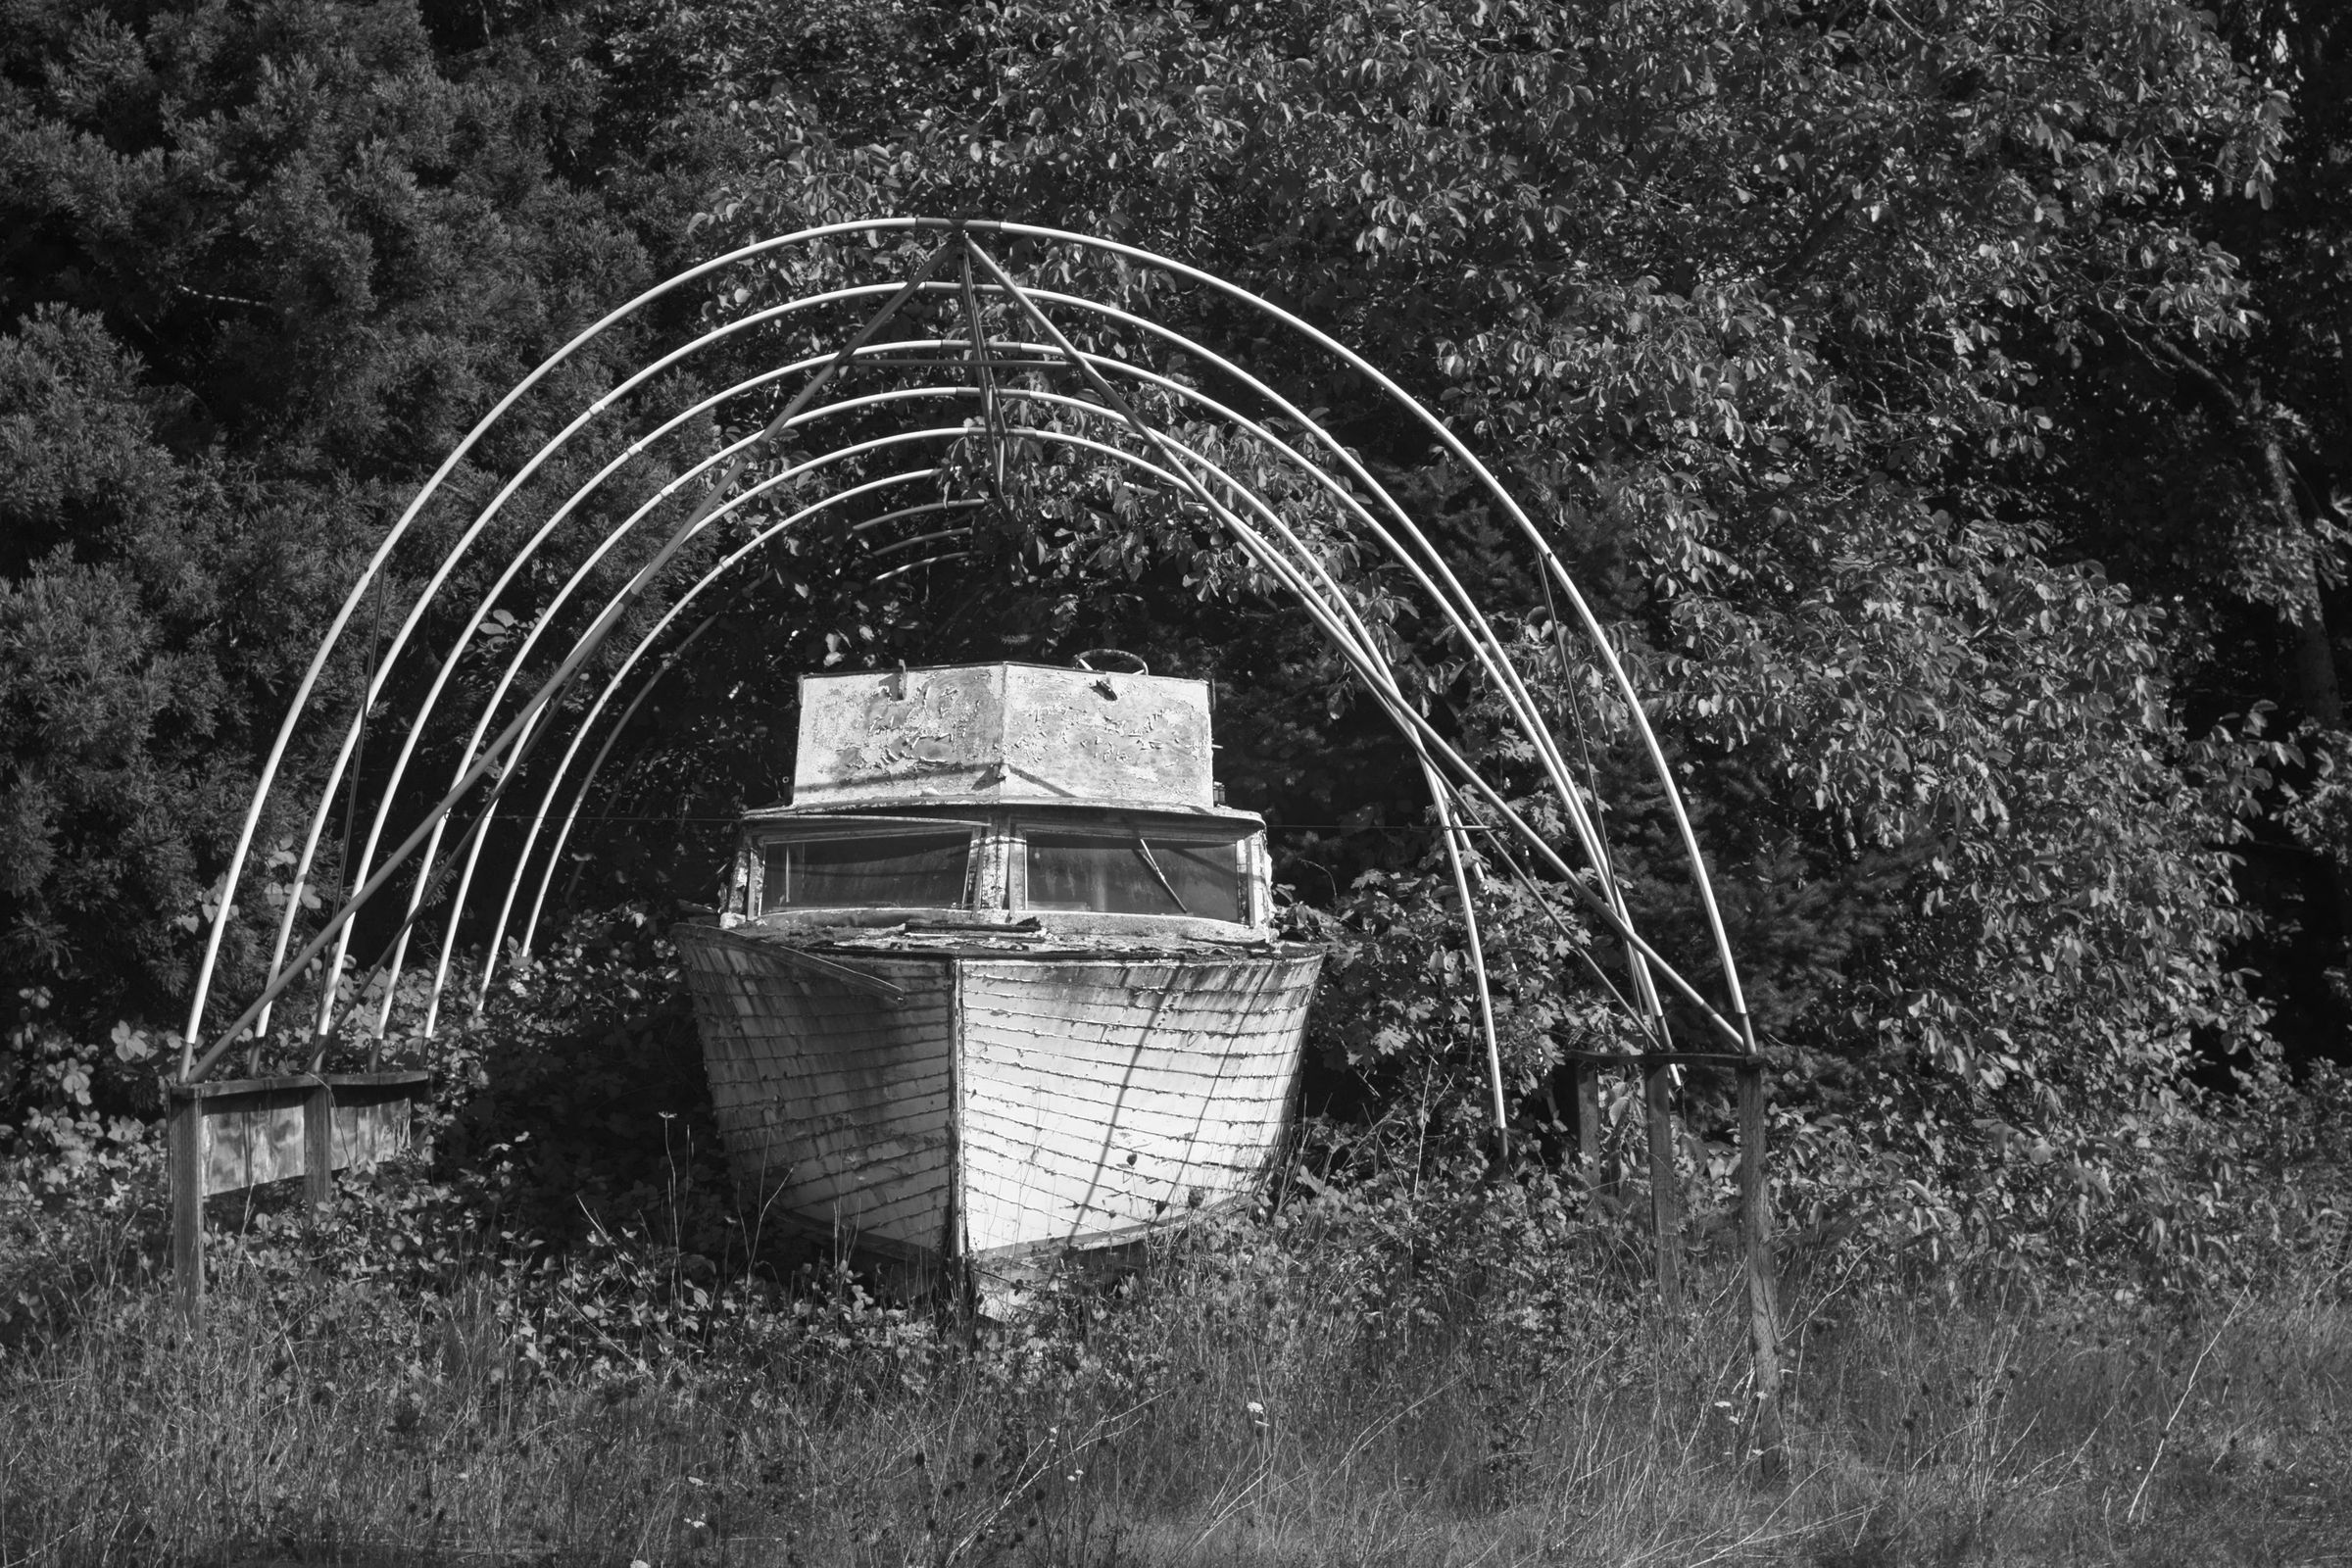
1263,1394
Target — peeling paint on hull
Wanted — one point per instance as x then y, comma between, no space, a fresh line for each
1000,1101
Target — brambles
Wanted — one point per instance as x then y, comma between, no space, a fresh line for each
1402,1369
488,1339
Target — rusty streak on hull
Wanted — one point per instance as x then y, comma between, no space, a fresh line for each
1013,1096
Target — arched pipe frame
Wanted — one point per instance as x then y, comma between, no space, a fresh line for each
1464,801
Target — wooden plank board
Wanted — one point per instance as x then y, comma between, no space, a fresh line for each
249,1142
1114,1151
183,1152
1101,1095
250,1132
831,1093
1040,1200
226,1136
1231,1119
385,1083
368,1134
1005,1101
1144,1084
1148,1189
1093,1055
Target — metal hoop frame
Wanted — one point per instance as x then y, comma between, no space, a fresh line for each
1363,507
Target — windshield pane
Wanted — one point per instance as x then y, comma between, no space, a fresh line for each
1111,874
891,871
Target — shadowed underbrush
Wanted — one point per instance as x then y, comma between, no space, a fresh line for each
1321,1385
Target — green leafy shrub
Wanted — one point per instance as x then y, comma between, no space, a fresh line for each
584,1072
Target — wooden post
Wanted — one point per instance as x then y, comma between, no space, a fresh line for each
1587,1123
1755,1215
183,1141
319,1150
1657,1089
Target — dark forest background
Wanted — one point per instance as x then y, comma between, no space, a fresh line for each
1947,404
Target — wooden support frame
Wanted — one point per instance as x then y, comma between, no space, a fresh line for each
319,1147
1737,1060
1588,1124
1769,1442
1768,1438
1665,1205
228,1136
183,1138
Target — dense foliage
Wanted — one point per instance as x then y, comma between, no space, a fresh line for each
1945,404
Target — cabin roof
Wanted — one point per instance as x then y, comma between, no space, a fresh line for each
898,808
1004,733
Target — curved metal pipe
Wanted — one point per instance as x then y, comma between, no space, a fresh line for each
1416,729
1365,659
1452,597
1468,621
1356,631
628,595
917,565
1361,633
555,852
546,616
1508,679
529,551
1442,798
896,546
1498,664
734,456
1559,572
384,552
1368,664
1494,487
596,764
517,735
580,732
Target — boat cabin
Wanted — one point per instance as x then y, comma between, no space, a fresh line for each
1070,803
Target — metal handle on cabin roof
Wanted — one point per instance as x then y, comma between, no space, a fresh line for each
1141,668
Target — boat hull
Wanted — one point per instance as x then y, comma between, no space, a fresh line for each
987,1104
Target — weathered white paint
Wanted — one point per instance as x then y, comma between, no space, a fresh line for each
1002,733
1004,1102
833,1100
1101,1096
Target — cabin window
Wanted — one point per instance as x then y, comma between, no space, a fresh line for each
1134,873
886,871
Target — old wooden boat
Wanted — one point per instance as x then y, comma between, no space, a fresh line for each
1001,977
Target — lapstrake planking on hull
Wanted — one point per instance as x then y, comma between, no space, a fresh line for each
1002,978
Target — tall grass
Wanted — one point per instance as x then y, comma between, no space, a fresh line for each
1247,1397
